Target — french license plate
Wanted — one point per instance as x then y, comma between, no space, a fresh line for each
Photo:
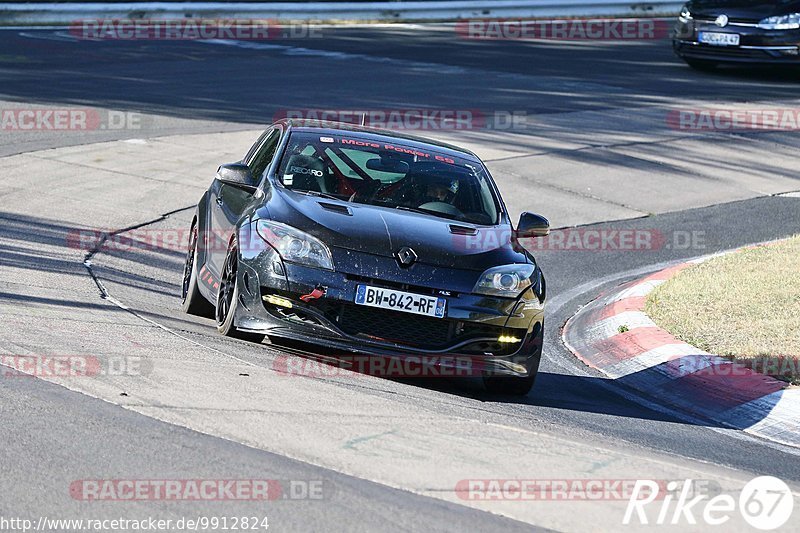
406,302
719,39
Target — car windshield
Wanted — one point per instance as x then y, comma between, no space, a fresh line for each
387,174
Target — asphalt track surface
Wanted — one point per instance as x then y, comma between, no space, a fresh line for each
52,436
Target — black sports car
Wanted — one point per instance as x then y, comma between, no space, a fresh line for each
743,31
370,242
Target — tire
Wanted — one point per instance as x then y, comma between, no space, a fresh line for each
192,301
700,64
228,299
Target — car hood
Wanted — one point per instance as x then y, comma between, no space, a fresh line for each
743,10
384,231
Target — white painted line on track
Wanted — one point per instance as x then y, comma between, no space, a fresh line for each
640,289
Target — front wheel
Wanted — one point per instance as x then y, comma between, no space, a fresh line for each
192,302
228,300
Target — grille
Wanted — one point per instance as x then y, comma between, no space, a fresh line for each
731,22
421,332
724,51
411,330
402,328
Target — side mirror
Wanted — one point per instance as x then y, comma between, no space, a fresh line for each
532,225
237,175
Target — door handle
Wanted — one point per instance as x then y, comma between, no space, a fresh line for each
219,202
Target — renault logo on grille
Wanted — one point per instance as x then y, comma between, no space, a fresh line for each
406,256
721,21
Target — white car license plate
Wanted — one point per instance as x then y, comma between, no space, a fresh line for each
406,302
719,39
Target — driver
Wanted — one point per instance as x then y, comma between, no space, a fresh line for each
440,189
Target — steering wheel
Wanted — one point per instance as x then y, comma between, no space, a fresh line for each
442,207
367,190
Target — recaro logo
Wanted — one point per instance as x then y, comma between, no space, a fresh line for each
307,171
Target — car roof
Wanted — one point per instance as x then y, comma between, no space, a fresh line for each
369,133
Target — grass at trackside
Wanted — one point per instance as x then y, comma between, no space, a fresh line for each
744,305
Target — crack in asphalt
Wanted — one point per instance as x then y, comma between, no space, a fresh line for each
353,443
105,295
582,194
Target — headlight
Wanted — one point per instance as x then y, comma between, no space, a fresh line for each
508,280
685,15
782,22
295,246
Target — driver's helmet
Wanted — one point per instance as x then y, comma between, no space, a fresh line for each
439,188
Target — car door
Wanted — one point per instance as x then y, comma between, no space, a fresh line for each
228,203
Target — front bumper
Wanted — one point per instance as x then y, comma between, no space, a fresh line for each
270,303
756,45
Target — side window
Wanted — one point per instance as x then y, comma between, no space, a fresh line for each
256,145
264,154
